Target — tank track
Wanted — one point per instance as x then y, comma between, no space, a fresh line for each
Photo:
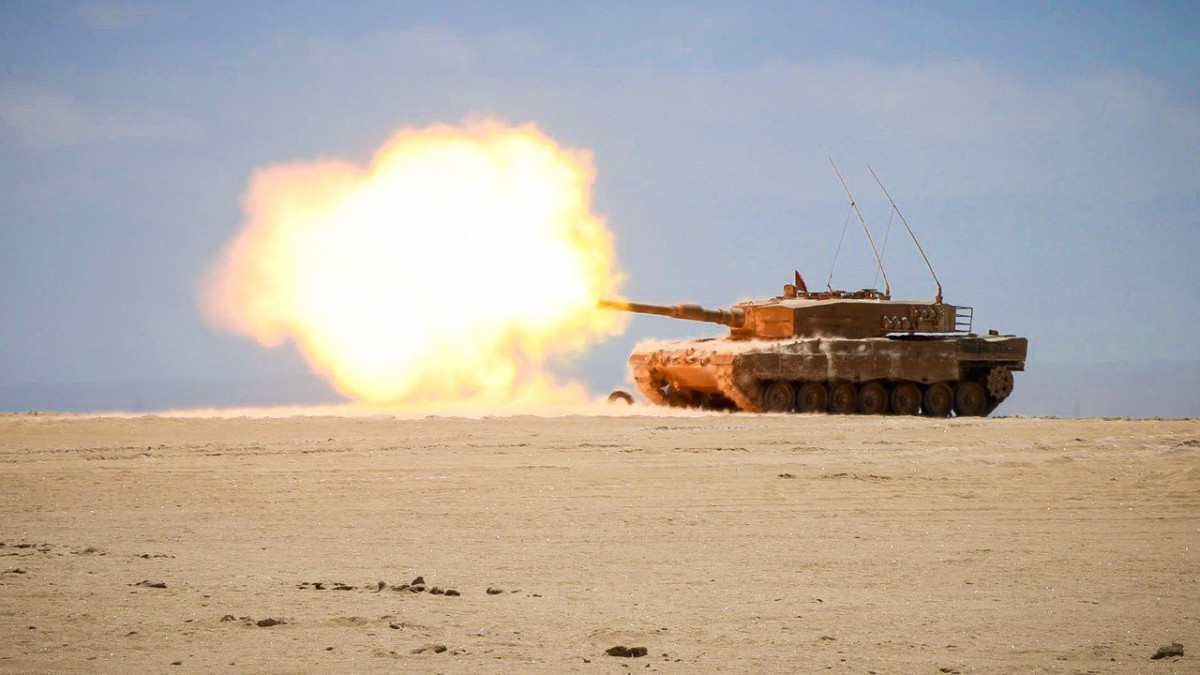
746,393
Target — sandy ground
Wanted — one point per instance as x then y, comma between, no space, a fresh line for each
719,543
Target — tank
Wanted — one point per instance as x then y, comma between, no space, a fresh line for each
832,351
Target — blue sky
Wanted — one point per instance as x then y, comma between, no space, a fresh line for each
1049,156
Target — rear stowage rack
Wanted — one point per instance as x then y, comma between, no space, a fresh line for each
963,317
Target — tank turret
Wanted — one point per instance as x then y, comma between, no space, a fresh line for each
846,314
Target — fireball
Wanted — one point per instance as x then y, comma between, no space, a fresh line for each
451,268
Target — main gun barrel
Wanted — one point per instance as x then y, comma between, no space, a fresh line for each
734,317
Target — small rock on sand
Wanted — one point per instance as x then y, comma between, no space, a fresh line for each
152,584
268,622
451,591
436,649
492,590
626,652
419,581
1173,649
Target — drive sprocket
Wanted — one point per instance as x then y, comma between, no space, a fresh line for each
1000,382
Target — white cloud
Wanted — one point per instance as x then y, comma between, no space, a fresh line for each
116,15
46,117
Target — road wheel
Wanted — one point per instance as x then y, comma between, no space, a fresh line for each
778,397
970,399
812,398
872,399
843,399
906,399
939,399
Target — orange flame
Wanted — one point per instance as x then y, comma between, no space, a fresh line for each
449,270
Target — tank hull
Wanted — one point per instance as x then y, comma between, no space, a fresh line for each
755,375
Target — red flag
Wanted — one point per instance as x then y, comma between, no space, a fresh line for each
800,285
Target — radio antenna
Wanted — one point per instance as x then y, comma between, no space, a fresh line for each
887,287
845,225
910,233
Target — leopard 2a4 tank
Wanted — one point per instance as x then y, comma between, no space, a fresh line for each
831,351
834,351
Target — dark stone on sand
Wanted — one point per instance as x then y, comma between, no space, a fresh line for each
401,587
267,622
1173,649
177,663
395,626
19,570
419,581
318,585
436,590
492,590
380,586
451,591
786,475
626,652
229,617
417,588
343,587
152,584
438,649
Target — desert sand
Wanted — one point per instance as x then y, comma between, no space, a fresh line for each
720,543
